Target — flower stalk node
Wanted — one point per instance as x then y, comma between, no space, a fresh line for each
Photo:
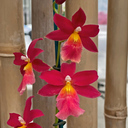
56,68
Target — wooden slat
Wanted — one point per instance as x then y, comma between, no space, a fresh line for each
116,72
11,40
88,62
42,24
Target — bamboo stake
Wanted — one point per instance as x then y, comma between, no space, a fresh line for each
42,24
11,40
0,89
115,101
88,62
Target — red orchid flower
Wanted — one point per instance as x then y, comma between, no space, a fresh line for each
68,85
27,64
60,1
77,35
17,121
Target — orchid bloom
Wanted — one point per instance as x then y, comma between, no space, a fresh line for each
68,84
60,1
27,64
17,121
76,34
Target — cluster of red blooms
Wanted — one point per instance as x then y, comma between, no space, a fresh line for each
65,83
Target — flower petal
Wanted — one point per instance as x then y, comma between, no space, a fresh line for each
31,48
53,77
22,69
57,35
87,91
33,125
28,78
34,53
84,78
18,60
72,49
68,69
60,1
89,30
89,44
27,108
49,90
35,114
78,19
39,65
29,115
68,102
68,106
63,23
13,120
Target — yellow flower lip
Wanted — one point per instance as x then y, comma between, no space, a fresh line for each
75,38
28,66
68,88
23,126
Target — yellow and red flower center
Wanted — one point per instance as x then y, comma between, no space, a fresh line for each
23,123
28,66
74,38
68,89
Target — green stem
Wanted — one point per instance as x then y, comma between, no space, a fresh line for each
54,8
56,119
59,9
58,54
